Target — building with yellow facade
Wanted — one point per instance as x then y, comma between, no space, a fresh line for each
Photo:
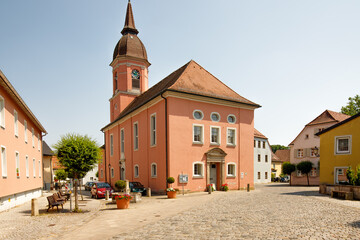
340,148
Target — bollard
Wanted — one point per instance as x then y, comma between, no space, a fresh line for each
127,188
210,189
107,195
148,192
34,207
248,187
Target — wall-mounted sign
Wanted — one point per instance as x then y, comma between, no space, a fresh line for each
242,175
183,178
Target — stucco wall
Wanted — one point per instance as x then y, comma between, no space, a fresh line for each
262,166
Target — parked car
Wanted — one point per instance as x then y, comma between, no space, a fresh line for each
137,187
99,189
88,186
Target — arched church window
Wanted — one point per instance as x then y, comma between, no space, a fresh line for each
135,76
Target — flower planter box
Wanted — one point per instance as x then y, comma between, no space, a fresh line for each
171,194
122,203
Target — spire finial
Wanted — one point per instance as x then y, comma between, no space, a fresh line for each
129,26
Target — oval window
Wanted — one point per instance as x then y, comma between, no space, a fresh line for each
198,114
215,117
231,119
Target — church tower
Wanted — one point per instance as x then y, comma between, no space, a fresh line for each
130,67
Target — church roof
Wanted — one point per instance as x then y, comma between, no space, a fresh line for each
192,79
129,44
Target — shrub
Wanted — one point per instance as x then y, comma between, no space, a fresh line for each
225,187
120,185
170,180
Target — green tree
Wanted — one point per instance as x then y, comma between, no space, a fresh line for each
78,155
288,168
353,106
305,168
61,174
276,147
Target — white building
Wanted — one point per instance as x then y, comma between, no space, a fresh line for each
262,158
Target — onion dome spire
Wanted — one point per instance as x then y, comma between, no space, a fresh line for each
129,26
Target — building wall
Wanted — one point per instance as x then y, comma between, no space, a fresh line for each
307,140
183,153
11,184
277,166
330,160
47,172
262,167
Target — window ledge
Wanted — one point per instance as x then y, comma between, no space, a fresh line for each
153,176
231,176
3,127
152,146
231,145
198,143
215,144
197,176
343,153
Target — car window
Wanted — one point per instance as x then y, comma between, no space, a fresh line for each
103,185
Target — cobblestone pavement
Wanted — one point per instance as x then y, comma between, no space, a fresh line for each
273,211
17,223
270,212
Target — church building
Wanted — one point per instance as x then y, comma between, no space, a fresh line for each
189,126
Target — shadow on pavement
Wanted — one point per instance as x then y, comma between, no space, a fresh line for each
305,193
278,185
355,224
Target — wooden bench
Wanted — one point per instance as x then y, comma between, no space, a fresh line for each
53,203
342,194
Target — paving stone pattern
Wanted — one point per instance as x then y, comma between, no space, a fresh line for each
270,212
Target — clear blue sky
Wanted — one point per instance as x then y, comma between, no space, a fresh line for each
295,58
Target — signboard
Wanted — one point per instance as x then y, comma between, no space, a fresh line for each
183,178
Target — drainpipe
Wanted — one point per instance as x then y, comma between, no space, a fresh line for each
105,156
166,140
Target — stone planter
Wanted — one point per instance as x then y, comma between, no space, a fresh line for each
122,203
171,194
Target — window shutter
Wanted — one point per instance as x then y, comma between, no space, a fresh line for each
295,153
306,152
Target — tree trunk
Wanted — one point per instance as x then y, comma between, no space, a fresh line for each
76,195
307,175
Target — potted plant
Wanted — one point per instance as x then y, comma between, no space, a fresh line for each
120,185
123,201
225,187
171,192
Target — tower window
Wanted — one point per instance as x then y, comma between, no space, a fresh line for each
116,81
135,76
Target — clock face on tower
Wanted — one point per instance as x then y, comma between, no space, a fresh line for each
135,74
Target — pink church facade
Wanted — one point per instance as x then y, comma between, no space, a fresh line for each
189,126
20,149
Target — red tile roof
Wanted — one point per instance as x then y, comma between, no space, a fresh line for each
259,134
192,79
283,155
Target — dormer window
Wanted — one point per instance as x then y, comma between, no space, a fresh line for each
135,76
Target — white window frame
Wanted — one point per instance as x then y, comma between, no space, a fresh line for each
136,174
202,134
219,136
111,145
3,161
112,172
40,168
34,167
201,175
153,130
266,175
298,153
2,112
231,115
227,169
259,158
202,114
16,123
298,173
259,176
266,158
33,137
38,142
27,166
153,175
17,163
313,170
312,152
25,131
136,135
227,137
336,147
122,140
215,113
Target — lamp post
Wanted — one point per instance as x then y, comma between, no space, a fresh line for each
110,174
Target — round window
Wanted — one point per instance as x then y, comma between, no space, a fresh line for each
231,119
198,114
215,117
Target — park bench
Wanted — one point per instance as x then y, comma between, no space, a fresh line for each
65,194
60,197
342,194
53,203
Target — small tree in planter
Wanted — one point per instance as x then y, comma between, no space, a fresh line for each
171,192
288,168
305,168
120,185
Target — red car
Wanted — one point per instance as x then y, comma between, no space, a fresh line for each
99,189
